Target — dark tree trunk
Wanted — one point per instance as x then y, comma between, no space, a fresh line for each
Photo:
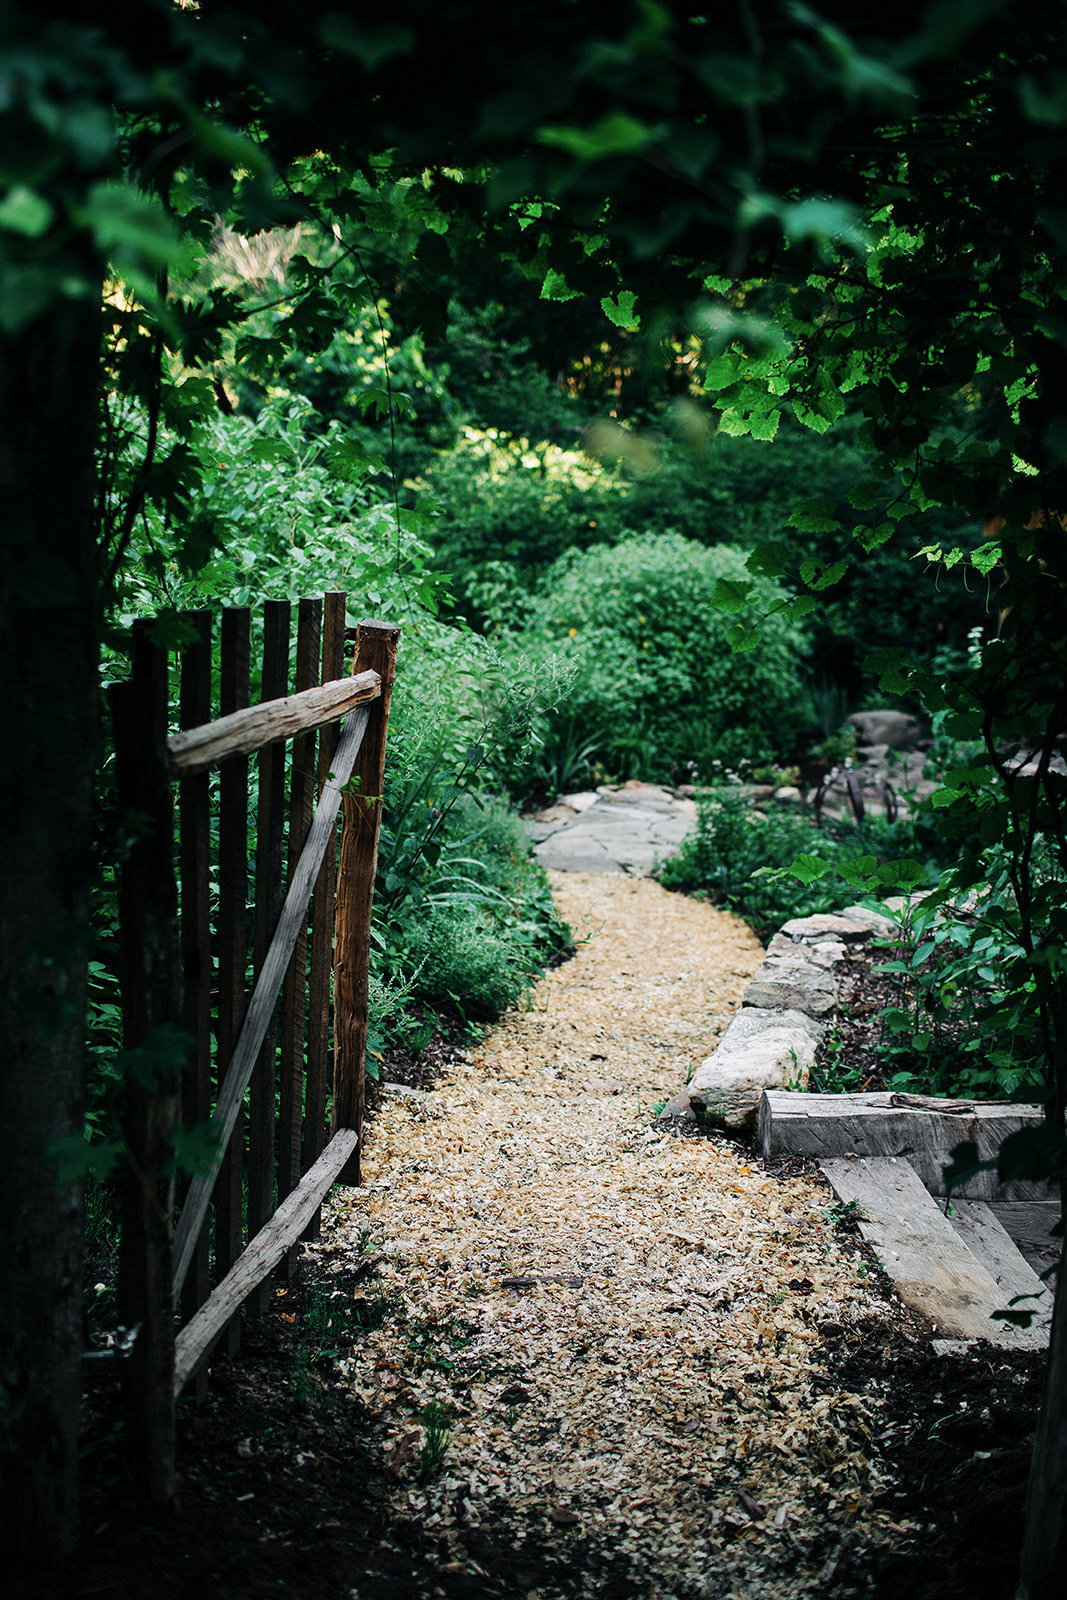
1043,1570
48,673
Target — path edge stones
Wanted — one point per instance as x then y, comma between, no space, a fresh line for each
785,1010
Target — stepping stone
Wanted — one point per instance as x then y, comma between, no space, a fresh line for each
623,830
933,1270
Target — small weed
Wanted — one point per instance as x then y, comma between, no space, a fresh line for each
844,1214
437,1435
796,1075
832,1073
332,1323
436,1343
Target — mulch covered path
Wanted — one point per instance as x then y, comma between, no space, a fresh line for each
550,1348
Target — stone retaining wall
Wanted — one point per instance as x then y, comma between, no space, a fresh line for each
771,1042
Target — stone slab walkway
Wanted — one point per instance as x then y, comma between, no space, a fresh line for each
612,830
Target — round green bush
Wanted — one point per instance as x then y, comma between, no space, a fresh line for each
659,687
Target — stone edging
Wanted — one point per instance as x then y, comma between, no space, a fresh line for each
771,1042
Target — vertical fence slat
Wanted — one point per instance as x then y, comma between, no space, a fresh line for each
194,828
302,797
234,672
376,649
269,843
150,976
322,918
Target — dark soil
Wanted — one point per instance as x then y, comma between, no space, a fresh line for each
957,1436
849,1057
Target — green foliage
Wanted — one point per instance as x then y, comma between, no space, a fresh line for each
436,1417
736,855
657,686
499,500
965,1022
471,922
761,864
290,514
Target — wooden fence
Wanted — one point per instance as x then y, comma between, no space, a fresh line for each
260,1073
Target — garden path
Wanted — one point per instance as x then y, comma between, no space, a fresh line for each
626,1330
624,828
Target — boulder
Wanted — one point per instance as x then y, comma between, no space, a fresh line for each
852,926
759,1050
893,728
793,978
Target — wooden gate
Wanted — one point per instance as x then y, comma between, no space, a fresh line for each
260,1076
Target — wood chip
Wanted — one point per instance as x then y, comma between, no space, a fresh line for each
661,1291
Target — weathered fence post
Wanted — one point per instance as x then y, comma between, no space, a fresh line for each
194,804
234,672
294,992
151,984
270,840
322,916
376,649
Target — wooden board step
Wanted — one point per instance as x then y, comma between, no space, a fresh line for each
918,1128
933,1270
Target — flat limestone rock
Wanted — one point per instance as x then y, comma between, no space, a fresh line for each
919,1129
791,983
876,923
822,952
759,1048
845,925
933,1271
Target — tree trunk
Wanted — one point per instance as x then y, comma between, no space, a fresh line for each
1044,1559
48,669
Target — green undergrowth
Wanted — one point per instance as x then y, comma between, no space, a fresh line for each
741,858
471,922
959,1020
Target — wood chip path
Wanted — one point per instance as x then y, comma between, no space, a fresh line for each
622,1325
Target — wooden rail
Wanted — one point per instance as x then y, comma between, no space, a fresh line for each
243,732
200,1335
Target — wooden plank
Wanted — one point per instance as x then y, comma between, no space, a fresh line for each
196,1340
294,989
194,828
1029,1224
261,1006
919,1129
234,673
322,917
376,647
932,1270
150,980
989,1242
242,733
270,839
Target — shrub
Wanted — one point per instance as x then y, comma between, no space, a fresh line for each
742,858
658,686
474,921
455,954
